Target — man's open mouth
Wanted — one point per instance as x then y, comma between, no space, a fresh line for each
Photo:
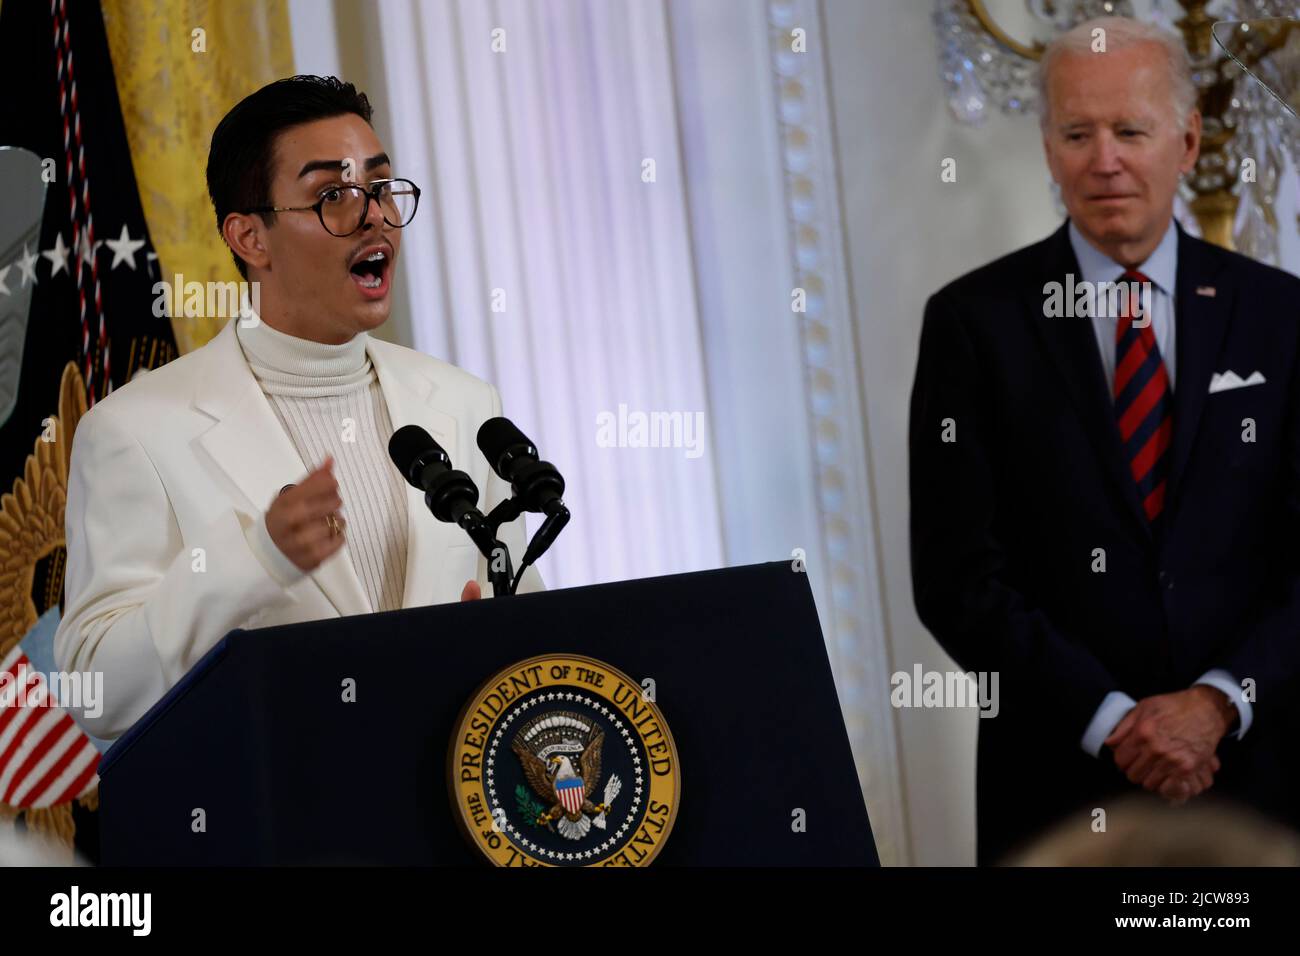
370,267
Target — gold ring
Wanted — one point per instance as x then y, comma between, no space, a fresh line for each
333,523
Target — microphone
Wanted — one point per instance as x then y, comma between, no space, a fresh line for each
537,485
512,455
451,495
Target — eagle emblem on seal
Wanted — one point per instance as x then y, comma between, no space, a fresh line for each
560,753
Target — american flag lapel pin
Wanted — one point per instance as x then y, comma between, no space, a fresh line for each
1205,290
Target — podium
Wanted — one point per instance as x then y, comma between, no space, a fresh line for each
262,756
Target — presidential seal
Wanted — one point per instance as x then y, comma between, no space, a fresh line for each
563,760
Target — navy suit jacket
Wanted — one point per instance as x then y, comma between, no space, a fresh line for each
1007,518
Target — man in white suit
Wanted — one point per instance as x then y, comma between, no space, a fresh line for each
202,495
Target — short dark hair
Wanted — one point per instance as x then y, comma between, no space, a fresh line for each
243,144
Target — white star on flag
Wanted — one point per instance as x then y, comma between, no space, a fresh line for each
124,248
4,272
27,264
58,256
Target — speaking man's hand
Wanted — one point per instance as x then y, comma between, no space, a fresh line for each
471,591
299,519
1167,743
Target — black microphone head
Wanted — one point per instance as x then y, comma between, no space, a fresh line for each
408,448
497,436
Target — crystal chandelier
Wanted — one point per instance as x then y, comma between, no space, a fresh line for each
1244,115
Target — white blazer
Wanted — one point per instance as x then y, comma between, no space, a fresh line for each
170,475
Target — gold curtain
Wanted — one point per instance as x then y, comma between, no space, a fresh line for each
172,98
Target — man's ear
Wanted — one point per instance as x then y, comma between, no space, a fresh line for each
244,234
1191,142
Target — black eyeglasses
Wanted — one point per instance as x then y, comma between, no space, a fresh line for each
342,209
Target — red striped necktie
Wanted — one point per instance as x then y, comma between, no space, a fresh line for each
1143,403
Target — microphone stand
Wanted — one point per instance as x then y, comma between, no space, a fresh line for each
500,578
485,537
510,509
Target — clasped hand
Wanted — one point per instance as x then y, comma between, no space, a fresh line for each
1166,744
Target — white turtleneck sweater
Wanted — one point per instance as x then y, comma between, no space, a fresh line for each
329,401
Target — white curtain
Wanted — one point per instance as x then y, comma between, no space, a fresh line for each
545,261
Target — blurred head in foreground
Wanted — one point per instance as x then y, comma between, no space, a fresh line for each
283,172
1120,127
1142,830
25,848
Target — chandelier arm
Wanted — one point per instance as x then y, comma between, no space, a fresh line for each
981,13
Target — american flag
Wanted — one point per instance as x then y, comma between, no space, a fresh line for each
45,758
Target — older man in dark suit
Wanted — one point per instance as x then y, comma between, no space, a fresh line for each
1106,501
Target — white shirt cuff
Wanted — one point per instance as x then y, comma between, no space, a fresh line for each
268,552
1220,679
1112,710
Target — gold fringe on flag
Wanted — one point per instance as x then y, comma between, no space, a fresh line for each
31,529
180,65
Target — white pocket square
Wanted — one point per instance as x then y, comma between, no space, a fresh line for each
1224,381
